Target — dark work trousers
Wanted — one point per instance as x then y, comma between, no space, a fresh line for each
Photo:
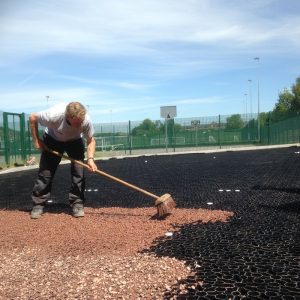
47,168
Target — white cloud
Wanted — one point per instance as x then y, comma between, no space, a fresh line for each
28,78
136,28
199,100
122,84
106,53
133,86
98,105
35,100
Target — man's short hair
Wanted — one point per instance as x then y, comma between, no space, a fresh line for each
76,110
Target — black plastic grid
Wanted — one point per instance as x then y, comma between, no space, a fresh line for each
253,256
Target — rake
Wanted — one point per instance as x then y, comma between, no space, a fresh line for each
164,204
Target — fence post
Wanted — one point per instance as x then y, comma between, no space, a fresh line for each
219,131
269,131
6,138
22,136
28,138
129,137
174,138
298,131
166,133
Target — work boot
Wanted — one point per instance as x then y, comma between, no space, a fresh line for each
78,210
36,211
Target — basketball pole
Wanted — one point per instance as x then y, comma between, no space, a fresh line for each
166,125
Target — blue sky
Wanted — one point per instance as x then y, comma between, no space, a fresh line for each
124,59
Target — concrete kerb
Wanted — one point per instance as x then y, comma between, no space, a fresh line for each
231,149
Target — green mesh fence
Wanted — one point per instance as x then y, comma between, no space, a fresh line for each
178,133
162,135
281,132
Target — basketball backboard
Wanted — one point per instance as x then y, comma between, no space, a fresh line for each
168,112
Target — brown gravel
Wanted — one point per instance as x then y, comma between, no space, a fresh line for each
95,257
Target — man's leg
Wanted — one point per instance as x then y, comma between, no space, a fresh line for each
75,149
42,186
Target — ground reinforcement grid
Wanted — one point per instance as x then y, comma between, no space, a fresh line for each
253,256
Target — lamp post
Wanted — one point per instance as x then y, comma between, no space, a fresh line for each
246,107
258,118
247,120
250,108
250,97
47,97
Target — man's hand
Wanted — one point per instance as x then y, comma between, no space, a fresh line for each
38,144
92,164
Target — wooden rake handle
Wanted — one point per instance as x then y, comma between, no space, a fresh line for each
102,173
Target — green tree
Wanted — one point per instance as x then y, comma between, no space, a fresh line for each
288,102
147,127
264,119
296,94
234,122
283,106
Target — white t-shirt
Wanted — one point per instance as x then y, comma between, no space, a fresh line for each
55,121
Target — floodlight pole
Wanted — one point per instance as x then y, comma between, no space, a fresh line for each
246,107
250,97
258,118
247,121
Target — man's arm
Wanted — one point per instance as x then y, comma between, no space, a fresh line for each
34,122
91,146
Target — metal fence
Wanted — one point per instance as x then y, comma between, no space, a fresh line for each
138,137
15,144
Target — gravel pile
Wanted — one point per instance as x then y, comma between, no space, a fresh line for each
28,275
101,256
